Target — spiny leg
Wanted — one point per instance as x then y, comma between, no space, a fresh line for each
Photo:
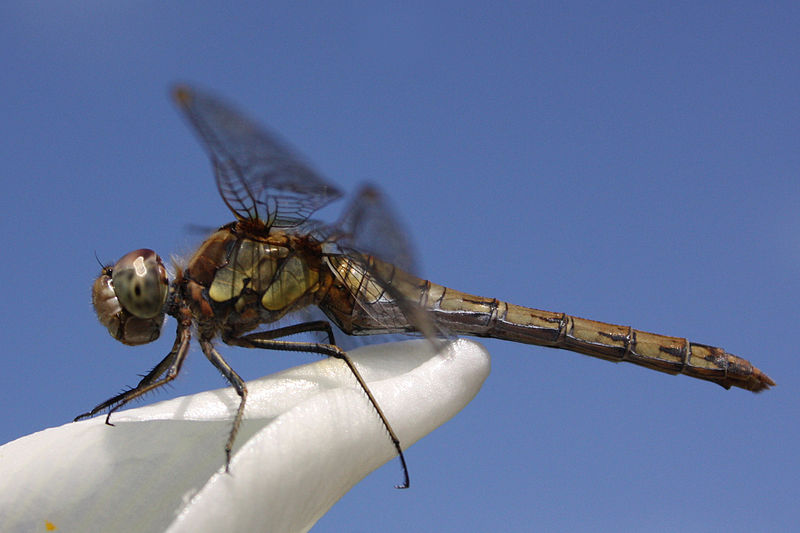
265,340
170,365
122,398
304,327
238,384
236,381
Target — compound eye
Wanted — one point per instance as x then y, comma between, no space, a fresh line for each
140,283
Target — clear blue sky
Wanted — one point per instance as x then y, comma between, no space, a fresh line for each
628,163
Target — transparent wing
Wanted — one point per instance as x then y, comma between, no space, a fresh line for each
371,256
369,225
258,177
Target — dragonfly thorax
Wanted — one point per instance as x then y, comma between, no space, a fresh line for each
237,282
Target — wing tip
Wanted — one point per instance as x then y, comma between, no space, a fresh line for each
182,94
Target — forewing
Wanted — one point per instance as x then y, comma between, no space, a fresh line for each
258,177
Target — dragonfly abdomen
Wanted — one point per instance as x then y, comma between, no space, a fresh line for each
486,317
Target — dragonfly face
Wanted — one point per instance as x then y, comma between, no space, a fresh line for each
273,260
129,298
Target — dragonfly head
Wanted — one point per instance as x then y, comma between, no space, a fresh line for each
129,298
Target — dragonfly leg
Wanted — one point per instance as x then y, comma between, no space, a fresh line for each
294,329
238,384
266,340
168,367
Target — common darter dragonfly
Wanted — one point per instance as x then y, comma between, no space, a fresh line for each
274,260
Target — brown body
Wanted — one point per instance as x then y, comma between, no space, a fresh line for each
235,283
273,261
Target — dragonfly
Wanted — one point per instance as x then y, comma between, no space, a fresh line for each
274,260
